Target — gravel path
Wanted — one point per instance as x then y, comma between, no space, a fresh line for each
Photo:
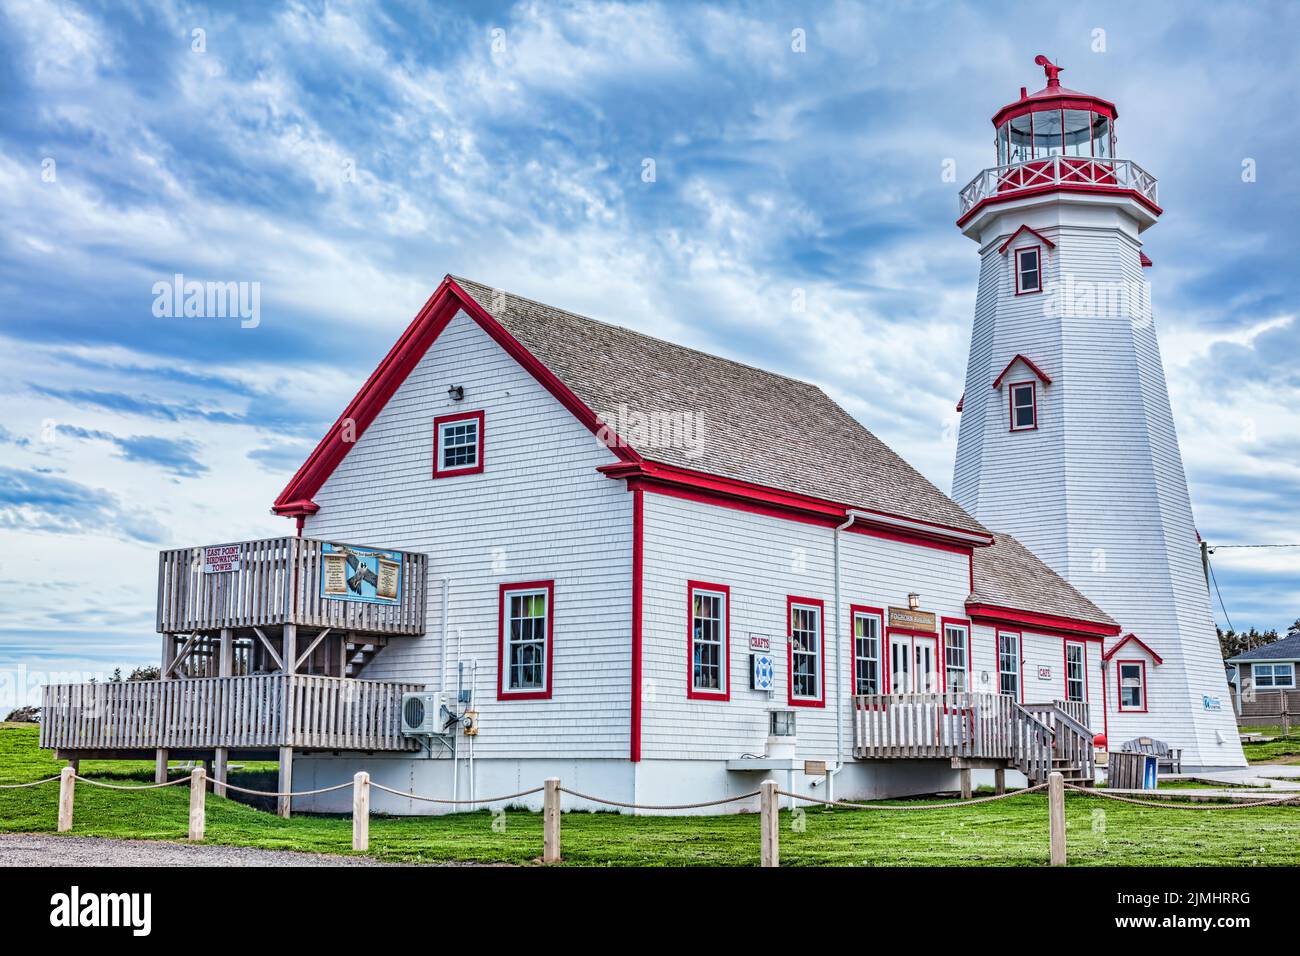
41,850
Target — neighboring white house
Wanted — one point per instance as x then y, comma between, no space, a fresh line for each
1266,682
618,525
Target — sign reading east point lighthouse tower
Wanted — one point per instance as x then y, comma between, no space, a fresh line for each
1067,439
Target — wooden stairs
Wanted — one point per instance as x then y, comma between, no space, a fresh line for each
360,652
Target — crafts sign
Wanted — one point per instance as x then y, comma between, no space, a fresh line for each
368,575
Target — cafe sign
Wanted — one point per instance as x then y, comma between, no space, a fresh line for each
908,620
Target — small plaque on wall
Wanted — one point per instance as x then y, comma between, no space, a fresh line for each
908,620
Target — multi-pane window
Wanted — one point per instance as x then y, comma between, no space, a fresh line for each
708,641
805,652
866,653
954,658
526,637
1028,272
1132,685
1024,406
1273,676
1075,682
458,444
1009,664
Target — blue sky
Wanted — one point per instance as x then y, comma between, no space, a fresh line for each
345,156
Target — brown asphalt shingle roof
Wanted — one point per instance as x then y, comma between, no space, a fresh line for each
1010,575
756,426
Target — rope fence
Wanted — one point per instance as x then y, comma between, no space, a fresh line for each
769,795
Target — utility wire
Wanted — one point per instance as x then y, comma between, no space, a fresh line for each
1222,606
1216,547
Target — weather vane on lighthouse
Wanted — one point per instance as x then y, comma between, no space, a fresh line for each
1052,71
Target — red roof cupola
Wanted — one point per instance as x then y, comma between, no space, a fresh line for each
1056,141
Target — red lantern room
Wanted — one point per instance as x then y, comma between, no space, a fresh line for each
1055,121
1057,140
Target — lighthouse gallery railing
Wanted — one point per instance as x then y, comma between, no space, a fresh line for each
1058,171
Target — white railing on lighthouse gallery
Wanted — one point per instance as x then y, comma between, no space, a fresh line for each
1058,171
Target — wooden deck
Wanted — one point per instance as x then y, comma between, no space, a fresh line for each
974,729
258,712
278,581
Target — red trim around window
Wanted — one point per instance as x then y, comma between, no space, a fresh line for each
1020,658
1119,687
1015,258
881,679
1011,405
792,601
502,692
438,422
1065,655
943,648
691,692
1019,357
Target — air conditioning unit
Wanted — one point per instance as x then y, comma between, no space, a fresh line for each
423,714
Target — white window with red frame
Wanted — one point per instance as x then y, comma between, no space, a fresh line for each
1076,681
805,650
1132,686
1029,270
1022,397
458,444
955,659
710,653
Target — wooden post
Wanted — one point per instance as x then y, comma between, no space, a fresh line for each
361,811
160,765
67,783
1000,780
551,820
769,825
75,764
220,770
226,664
283,805
1056,815
198,801
965,783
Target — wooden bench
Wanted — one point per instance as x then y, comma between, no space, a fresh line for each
1170,758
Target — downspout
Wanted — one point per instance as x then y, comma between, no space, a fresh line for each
839,682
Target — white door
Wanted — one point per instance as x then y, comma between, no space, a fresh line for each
913,664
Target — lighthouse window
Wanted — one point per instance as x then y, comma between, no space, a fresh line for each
1024,406
1101,133
1078,133
1132,685
1047,133
709,654
1028,272
1021,138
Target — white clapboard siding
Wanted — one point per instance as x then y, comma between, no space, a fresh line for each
763,560
539,511
1098,491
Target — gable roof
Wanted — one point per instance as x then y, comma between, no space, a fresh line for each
1285,649
997,382
1012,238
1133,639
756,426
1009,575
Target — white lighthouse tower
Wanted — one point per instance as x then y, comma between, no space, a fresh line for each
1067,440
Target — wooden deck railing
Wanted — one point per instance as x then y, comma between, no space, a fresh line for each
259,711
278,581
976,726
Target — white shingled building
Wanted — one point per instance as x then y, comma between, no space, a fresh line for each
1067,439
663,576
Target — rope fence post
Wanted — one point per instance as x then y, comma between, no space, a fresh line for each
67,783
1056,816
769,826
361,811
198,802
551,820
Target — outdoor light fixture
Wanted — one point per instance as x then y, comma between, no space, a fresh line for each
914,600
456,392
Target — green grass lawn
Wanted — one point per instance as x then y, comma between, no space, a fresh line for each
1009,832
1280,750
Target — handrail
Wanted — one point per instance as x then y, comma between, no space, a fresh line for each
1007,179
